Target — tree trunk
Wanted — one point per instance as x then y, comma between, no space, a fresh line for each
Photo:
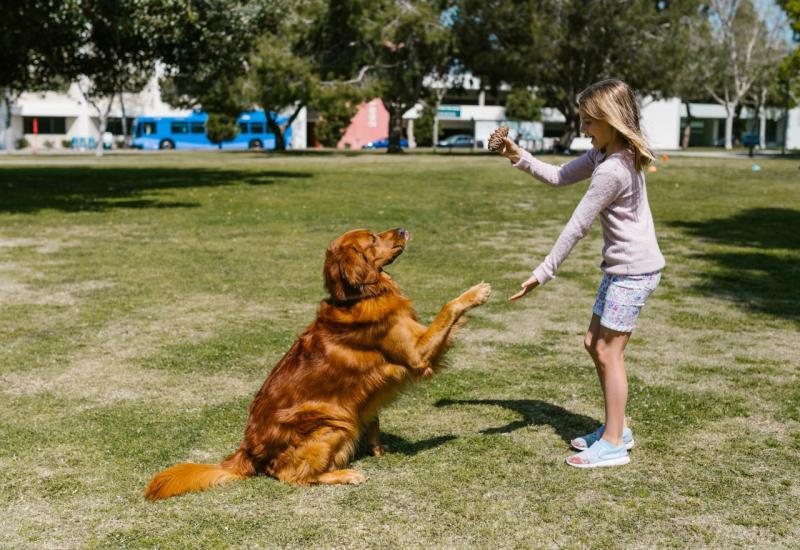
5,122
755,121
439,97
124,121
103,124
275,128
573,126
687,131
285,126
762,120
730,113
395,127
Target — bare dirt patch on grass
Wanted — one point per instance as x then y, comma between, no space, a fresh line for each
13,291
104,370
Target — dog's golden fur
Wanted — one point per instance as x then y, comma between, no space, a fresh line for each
325,393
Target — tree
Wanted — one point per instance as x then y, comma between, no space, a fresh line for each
791,64
221,128
521,107
789,71
743,46
279,80
38,39
206,45
337,104
766,87
409,41
558,47
691,69
426,127
116,55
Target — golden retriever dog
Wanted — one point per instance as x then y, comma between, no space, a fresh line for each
363,347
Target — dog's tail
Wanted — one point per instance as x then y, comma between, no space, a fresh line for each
185,478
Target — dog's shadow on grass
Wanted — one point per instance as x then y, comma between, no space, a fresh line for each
567,425
401,446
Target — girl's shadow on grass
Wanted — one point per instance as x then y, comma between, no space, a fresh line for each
567,425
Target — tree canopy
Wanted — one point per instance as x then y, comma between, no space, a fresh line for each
558,47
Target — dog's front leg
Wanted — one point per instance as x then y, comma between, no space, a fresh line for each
374,438
429,345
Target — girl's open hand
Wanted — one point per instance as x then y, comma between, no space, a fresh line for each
527,286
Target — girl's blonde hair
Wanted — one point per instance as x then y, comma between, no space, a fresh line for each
613,101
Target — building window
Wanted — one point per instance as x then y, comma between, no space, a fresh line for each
46,124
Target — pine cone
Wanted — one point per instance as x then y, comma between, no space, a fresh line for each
496,139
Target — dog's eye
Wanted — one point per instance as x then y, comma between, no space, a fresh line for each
374,240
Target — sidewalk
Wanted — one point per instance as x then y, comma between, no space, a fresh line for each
723,154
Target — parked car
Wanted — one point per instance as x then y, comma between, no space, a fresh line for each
383,144
457,140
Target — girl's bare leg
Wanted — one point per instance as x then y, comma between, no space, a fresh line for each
607,348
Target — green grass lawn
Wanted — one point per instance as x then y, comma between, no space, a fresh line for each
143,300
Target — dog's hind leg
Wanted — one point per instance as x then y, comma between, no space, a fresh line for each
321,459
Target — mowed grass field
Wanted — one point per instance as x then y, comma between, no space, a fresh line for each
143,300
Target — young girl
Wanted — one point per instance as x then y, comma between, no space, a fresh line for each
632,261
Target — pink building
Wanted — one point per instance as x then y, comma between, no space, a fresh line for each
370,123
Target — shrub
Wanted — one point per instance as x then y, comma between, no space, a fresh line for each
221,128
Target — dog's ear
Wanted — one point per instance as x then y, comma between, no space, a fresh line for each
346,270
356,270
333,276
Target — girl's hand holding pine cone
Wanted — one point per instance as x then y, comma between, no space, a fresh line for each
500,143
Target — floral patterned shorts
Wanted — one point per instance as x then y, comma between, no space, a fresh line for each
620,298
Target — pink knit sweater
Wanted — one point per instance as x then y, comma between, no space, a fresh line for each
619,195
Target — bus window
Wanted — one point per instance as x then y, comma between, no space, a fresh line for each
179,127
145,129
257,127
198,128
242,127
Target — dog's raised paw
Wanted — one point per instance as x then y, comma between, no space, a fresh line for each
479,294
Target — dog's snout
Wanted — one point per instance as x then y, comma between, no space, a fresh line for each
403,233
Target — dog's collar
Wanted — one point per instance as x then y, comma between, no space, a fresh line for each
345,303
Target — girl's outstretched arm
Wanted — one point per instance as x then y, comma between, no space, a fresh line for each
572,172
603,190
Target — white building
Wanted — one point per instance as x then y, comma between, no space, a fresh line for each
66,120
466,109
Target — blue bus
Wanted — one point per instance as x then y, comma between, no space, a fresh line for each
189,132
